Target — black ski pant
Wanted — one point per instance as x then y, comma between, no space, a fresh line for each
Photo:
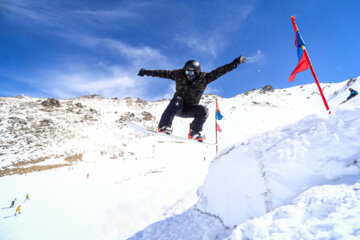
177,107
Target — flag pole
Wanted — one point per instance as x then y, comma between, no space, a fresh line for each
217,149
311,67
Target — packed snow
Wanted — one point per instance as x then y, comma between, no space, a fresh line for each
323,212
286,169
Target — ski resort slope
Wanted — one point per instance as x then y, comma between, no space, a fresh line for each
303,179
286,169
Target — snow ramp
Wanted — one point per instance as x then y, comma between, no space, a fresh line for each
269,170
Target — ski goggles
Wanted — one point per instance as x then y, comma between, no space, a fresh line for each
190,72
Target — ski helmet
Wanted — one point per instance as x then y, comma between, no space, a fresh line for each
192,69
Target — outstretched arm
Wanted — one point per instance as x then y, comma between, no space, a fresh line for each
159,73
215,74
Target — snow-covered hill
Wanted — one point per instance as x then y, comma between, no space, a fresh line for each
92,177
270,170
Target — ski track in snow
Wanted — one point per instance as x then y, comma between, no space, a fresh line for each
267,193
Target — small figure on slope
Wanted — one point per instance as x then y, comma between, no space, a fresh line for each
12,203
27,198
190,86
353,93
18,210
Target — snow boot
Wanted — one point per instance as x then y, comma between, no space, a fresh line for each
165,129
196,136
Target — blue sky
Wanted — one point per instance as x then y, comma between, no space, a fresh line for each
71,48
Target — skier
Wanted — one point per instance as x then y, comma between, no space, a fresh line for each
190,85
17,210
12,203
353,93
27,198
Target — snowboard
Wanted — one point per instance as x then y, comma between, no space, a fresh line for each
181,139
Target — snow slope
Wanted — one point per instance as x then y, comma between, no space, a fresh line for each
273,148
272,169
322,212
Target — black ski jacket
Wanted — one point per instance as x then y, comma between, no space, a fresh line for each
191,91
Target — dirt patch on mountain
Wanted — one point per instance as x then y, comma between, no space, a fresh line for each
21,167
51,102
24,163
74,158
21,171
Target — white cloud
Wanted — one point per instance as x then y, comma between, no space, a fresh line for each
72,79
39,13
77,80
212,90
112,82
102,15
210,40
143,55
198,43
56,14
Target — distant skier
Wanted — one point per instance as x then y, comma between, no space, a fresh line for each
18,210
27,198
190,86
12,203
353,93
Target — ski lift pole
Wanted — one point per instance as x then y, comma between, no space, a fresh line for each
296,29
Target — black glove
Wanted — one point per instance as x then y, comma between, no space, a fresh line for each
141,72
240,60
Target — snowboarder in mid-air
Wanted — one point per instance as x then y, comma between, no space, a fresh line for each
353,93
190,86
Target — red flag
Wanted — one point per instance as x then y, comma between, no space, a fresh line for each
218,128
303,63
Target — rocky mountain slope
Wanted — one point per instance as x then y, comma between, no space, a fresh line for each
38,134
